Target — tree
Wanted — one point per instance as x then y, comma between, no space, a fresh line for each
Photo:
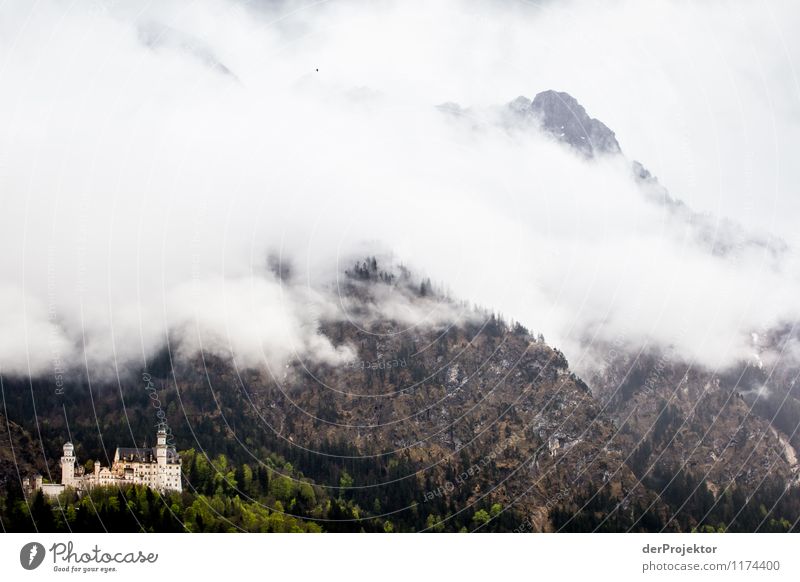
345,482
42,513
480,518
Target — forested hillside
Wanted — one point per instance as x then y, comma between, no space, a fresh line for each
468,423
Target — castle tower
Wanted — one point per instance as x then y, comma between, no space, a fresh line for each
68,465
161,457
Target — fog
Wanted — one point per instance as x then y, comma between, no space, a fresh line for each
153,155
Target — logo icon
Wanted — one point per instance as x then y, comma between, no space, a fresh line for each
31,555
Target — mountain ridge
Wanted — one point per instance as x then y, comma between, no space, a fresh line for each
463,417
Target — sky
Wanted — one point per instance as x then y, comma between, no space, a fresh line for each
155,154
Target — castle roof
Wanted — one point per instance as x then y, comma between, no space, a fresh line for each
135,454
143,455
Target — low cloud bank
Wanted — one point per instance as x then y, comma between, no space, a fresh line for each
155,154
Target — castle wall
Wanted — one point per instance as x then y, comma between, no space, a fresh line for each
157,473
52,489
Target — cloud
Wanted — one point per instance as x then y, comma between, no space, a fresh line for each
154,154
256,322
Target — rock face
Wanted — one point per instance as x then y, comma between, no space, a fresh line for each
17,452
561,115
675,415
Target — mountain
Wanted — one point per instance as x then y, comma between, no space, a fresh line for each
736,425
560,115
681,416
436,415
460,422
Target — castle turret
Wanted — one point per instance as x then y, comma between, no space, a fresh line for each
68,465
161,457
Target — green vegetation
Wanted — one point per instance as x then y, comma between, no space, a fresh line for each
221,498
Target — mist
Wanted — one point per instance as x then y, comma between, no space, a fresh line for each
154,155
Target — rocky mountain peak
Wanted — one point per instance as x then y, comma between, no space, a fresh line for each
561,115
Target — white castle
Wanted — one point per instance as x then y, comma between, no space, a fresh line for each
158,467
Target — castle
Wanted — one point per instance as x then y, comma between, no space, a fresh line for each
158,467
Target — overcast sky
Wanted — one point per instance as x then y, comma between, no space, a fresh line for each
153,154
